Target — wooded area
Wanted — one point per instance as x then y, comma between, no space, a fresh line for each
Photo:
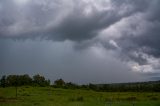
38,80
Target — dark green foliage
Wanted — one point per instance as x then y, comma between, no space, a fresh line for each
59,83
152,86
40,80
3,81
18,80
94,87
71,85
21,80
86,87
13,80
156,87
25,80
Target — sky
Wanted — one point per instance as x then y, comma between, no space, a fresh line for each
82,41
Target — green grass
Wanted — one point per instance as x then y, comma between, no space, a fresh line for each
48,96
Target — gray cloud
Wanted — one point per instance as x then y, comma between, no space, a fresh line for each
138,37
147,37
126,32
60,20
60,60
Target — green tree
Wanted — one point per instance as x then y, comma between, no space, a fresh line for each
12,80
40,80
3,81
59,82
25,79
71,85
93,87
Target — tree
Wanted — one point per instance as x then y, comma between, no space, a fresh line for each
3,81
93,87
71,85
25,79
12,80
40,80
59,82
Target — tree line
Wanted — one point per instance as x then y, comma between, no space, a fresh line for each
21,80
150,86
38,80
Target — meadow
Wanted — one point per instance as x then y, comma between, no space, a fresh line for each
49,96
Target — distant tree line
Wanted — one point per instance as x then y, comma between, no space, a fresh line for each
151,86
38,80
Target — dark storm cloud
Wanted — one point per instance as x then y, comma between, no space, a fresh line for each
147,41
60,20
76,37
77,26
138,38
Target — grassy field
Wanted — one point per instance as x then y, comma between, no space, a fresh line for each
48,96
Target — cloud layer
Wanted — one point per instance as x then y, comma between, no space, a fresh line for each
128,29
60,20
